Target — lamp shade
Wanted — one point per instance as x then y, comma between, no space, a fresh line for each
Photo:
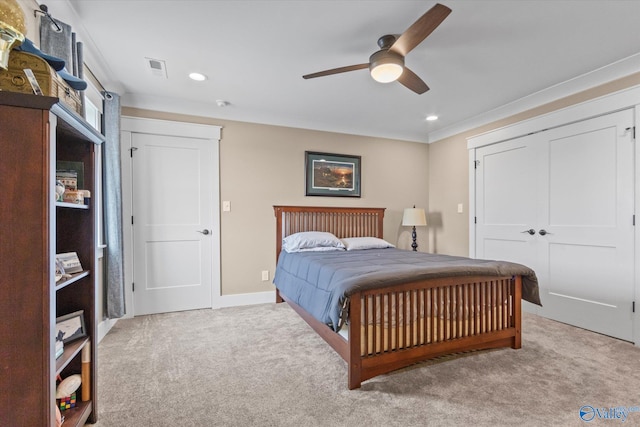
414,217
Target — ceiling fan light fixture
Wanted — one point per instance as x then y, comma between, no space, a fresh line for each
386,73
386,66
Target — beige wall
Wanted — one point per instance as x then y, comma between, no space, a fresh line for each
262,166
449,169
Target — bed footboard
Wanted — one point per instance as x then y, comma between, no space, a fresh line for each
395,327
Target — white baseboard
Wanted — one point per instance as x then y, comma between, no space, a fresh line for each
104,327
245,299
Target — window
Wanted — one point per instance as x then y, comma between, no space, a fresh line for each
93,115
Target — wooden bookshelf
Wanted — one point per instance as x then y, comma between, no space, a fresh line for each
35,132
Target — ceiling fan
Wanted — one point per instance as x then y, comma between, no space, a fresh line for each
387,64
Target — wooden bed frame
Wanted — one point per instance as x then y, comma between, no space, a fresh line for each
396,326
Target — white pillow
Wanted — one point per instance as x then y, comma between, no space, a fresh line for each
320,249
311,239
357,243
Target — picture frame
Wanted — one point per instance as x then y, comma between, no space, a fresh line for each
332,175
70,327
69,263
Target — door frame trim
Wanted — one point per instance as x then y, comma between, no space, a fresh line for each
625,99
211,133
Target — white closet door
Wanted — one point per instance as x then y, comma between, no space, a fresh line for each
573,185
507,196
587,253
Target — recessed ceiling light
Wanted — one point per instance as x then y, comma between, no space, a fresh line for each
197,77
432,118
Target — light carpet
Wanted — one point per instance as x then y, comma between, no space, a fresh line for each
262,365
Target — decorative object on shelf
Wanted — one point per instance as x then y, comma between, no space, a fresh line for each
59,190
27,46
86,372
12,29
413,217
68,386
67,402
68,178
73,196
73,171
70,262
57,64
70,327
14,79
329,174
86,197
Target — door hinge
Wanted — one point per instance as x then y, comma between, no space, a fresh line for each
131,219
475,219
634,221
633,131
133,287
633,307
131,150
476,163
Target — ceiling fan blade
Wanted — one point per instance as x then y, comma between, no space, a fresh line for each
416,33
410,80
336,71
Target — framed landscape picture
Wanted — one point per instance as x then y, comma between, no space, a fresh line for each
70,327
334,175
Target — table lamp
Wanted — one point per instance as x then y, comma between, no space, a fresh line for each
414,217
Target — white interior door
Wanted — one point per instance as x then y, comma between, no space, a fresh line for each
574,188
506,201
174,195
588,248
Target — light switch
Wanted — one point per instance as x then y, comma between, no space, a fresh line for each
226,206
265,275
460,208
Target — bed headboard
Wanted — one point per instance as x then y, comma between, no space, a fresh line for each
343,222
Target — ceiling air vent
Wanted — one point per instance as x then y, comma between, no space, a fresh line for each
157,67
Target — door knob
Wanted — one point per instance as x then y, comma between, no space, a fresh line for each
543,232
205,231
531,231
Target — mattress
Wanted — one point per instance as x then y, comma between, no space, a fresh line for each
322,282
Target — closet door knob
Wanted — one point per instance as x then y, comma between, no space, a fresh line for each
543,232
531,231
205,231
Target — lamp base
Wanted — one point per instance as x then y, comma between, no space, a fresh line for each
414,245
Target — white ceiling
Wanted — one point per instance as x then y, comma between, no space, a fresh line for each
488,59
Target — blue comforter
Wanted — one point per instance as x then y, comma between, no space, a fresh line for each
321,282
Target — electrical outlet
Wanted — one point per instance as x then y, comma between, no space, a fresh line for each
265,275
